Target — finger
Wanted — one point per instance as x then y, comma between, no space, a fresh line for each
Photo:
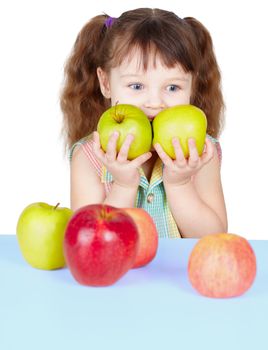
193,160
123,152
111,147
96,137
137,162
180,159
97,147
162,154
208,154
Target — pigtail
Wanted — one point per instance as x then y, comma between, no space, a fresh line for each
81,100
207,82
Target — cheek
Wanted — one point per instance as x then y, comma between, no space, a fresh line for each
186,96
182,99
122,96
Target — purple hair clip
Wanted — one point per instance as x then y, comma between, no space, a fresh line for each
109,21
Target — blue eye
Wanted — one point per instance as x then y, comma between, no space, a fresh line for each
173,88
136,86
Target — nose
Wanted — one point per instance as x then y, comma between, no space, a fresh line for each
154,100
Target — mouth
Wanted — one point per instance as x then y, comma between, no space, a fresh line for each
151,118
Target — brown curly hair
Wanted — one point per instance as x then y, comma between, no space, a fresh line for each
184,41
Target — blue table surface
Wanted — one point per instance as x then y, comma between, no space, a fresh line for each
154,307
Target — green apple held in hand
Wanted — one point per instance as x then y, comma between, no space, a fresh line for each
126,119
40,233
183,122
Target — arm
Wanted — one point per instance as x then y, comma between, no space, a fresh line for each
86,186
200,209
193,189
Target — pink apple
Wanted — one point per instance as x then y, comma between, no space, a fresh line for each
148,236
222,265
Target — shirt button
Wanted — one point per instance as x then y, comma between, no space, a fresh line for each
150,198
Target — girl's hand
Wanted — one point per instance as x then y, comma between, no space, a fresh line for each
124,171
180,170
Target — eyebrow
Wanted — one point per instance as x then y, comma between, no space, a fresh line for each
141,75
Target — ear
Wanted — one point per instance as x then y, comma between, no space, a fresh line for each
104,83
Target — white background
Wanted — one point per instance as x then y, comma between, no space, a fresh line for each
35,40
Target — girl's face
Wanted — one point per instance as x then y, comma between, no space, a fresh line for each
152,90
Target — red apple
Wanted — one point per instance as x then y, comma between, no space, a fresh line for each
148,236
100,244
222,265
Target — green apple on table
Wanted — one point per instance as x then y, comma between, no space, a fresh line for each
126,119
183,122
40,233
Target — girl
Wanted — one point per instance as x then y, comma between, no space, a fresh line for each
152,59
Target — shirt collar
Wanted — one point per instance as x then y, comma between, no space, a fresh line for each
156,176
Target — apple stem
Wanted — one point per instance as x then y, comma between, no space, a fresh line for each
56,206
115,107
104,213
118,117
